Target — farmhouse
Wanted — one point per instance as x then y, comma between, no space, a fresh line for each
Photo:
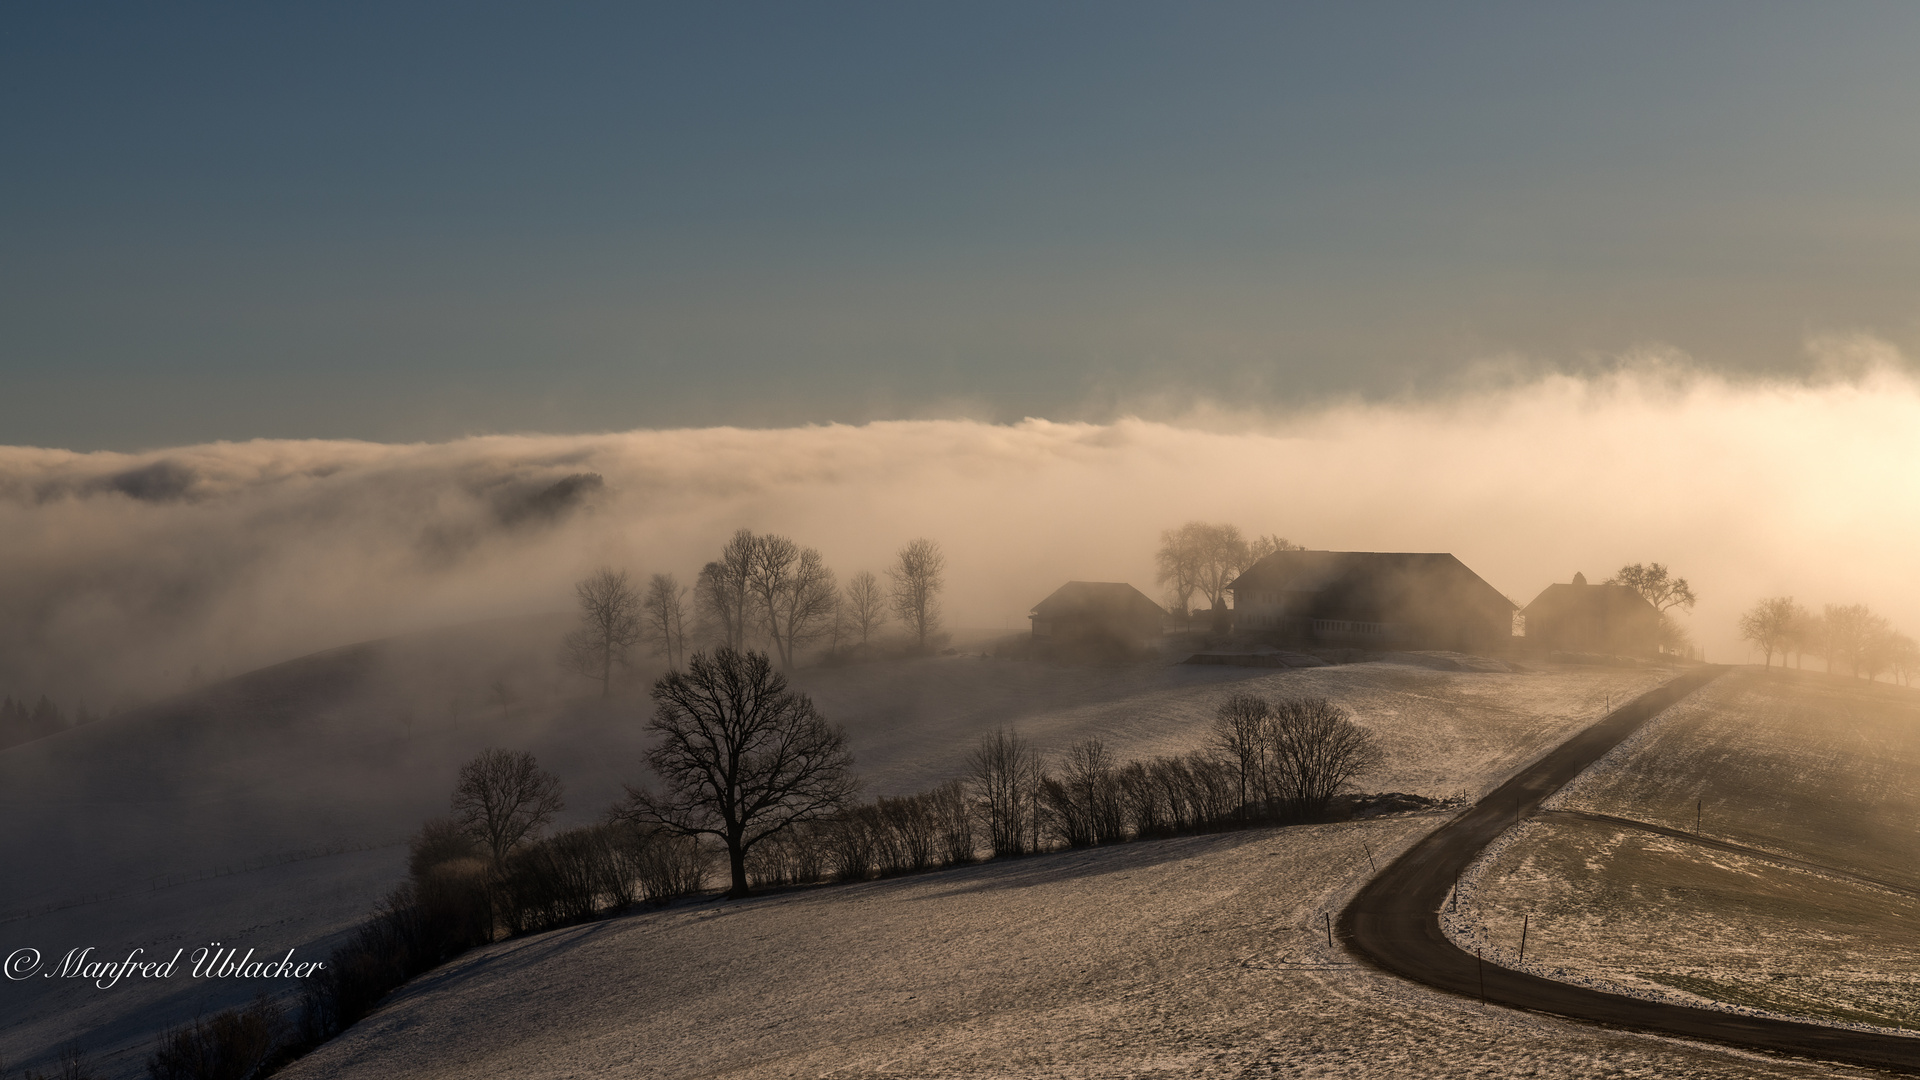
1371,599
1097,613
1579,617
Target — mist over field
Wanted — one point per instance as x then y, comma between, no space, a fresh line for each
123,576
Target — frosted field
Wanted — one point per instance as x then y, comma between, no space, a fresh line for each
1808,768
354,749
1191,957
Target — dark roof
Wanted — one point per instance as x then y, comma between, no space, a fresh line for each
1106,599
1582,599
1387,586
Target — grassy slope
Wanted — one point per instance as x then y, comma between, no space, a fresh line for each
1817,768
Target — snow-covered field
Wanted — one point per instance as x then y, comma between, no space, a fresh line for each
353,750
1200,957
1809,768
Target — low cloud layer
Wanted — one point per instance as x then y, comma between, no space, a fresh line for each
121,574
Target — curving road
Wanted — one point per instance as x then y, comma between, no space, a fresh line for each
1394,921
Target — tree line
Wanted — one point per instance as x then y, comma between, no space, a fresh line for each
1849,636
764,590
19,723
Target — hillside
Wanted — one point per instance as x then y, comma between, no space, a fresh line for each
1796,897
271,810
1197,956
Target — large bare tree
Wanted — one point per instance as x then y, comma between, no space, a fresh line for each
863,606
721,593
917,576
503,798
666,617
1657,584
1770,625
741,757
609,626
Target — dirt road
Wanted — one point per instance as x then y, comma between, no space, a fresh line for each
1393,922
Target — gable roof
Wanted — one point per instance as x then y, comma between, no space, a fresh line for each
1102,599
1582,599
1386,586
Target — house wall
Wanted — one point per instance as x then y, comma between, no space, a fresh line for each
1467,631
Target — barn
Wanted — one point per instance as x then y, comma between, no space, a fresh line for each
1578,617
1371,600
1097,614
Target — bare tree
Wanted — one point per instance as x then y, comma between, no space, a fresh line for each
794,593
502,696
954,816
1089,772
1770,625
1240,730
609,626
720,594
770,562
1808,637
666,617
1203,558
503,798
1852,632
1672,636
1178,559
1317,749
1880,650
863,605
1905,658
917,576
742,758
1005,773
1262,546
1657,585
811,605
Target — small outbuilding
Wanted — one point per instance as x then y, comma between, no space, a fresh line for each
1579,617
1098,614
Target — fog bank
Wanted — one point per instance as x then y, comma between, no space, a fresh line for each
121,574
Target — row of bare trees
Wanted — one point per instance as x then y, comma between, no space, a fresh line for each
764,589
768,587
1087,798
751,766
1849,636
1273,761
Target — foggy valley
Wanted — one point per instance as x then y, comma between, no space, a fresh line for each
967,542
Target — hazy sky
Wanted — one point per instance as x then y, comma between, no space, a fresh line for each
400,222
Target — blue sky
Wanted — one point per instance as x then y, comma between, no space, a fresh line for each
403,222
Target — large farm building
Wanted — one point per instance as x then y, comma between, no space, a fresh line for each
1371,600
